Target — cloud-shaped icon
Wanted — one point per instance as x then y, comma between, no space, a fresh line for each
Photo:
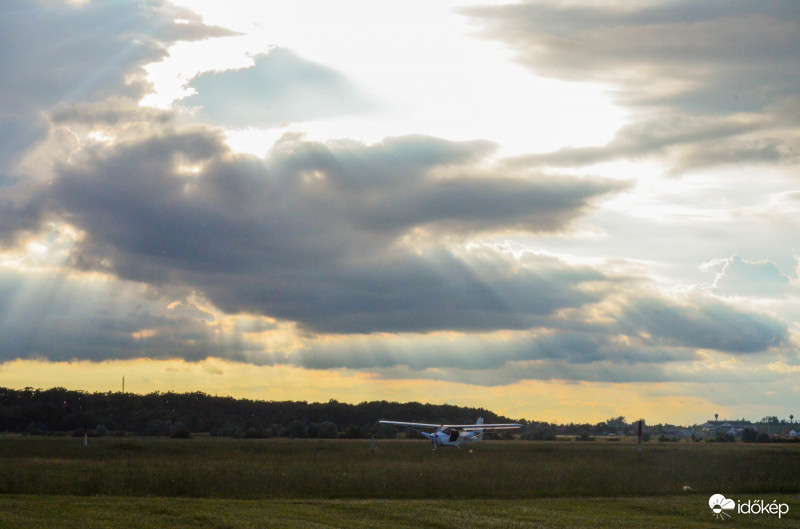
718,503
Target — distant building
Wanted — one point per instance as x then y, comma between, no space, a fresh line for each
734,428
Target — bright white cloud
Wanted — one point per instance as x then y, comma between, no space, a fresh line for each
421,61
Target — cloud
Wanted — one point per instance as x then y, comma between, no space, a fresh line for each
54,54
667,370
21,127
702,321
718,57
279,87
63,317
115,113
661,136
541,347
382,258
346,239
706,84
737,276
319,234
624,336
63,54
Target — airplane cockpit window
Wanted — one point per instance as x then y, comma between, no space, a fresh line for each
453,436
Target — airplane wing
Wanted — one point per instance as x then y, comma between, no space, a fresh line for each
411,424
469,427
465,427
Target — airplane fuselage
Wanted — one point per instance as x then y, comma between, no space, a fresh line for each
451,437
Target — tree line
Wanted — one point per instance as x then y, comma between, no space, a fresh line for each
59,410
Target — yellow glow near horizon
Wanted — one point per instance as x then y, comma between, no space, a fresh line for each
552,400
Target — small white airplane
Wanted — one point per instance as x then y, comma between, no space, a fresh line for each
453,434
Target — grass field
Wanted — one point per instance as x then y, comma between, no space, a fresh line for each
29,512
209,482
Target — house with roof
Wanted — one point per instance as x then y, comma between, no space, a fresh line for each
734,428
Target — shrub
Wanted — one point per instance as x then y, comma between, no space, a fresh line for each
327,430
158,428
295,429
255,433
721,437
749,435
539,432
179,431
353,431
36,428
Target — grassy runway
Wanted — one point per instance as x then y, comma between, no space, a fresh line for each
206,482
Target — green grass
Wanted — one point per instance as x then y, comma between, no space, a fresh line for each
22,512
209,482
257,469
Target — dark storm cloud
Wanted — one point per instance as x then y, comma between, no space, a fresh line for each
279,87
314,233
689,71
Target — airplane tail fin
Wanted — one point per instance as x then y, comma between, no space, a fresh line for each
478,433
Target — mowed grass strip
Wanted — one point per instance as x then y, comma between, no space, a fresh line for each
330,469
25,511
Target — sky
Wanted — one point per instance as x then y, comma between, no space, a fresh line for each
557,210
